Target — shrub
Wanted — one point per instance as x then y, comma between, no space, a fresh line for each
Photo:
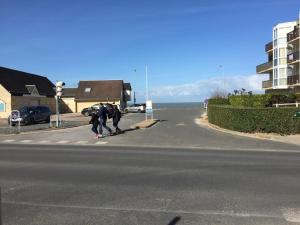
218,101
250,100
280,98
245,119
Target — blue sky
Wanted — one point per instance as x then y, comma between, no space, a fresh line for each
182,42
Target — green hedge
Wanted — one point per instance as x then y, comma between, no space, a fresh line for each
244,119
250,100
218,101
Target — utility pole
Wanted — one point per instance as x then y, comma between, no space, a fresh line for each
223,76
147,94
59,89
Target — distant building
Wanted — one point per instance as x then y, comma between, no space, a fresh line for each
89,93
283,60
19,89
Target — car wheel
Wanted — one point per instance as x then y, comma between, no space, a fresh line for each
86,114
139,110
126,110
31,121
48,119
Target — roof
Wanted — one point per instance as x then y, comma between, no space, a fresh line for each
127,86
69,92
99,90
15,82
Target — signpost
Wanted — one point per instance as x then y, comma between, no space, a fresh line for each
149,109
15,117
59,89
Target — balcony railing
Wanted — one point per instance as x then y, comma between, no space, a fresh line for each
293,35
267,84
292,80
269,46
262,68
293,57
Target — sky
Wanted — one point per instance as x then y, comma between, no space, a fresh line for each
191,47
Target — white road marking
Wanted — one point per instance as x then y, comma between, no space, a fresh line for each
198,212
81,142
26,141
101,143
180,124
44,142
62,142
8,141
291,214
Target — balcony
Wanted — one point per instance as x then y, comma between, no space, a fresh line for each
265,67
293,35
269,46
293,57
267,84
293,80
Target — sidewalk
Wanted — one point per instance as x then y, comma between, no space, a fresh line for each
288,139
68,120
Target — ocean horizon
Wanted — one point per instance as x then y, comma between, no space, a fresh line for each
178,105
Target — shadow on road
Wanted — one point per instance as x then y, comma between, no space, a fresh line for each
175,220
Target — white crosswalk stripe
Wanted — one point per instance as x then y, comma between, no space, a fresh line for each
8,141
101,143
62,142
43,142
26,141
81,142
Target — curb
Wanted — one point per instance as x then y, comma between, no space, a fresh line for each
144,124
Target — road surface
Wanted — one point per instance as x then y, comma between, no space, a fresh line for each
147,186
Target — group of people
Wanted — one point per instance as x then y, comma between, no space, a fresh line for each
99,119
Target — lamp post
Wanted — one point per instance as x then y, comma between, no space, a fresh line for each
147,94
223,77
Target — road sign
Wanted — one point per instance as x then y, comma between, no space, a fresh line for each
149,109
15,117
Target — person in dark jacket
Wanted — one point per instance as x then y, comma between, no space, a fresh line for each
116,116
95,123
102,113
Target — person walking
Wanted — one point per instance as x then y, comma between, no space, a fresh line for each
95,123
102,113
116,116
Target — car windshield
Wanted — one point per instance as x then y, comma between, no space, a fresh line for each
24,110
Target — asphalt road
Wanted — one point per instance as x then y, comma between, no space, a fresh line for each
177,128
147,186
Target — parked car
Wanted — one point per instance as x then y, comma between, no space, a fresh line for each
31,115
136,108
94,108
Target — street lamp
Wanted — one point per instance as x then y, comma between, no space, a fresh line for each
223,76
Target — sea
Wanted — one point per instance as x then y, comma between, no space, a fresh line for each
178,105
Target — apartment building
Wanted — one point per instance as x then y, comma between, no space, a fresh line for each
283,60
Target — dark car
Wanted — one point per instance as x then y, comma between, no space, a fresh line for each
32,114
94,108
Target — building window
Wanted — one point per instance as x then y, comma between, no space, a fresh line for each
87,90
282,72
282,53
282,61
2,106
281,41
275,53
275,73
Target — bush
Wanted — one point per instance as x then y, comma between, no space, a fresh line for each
278,120
218,101
280,98
250,100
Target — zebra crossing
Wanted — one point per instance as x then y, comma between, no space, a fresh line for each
59,142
